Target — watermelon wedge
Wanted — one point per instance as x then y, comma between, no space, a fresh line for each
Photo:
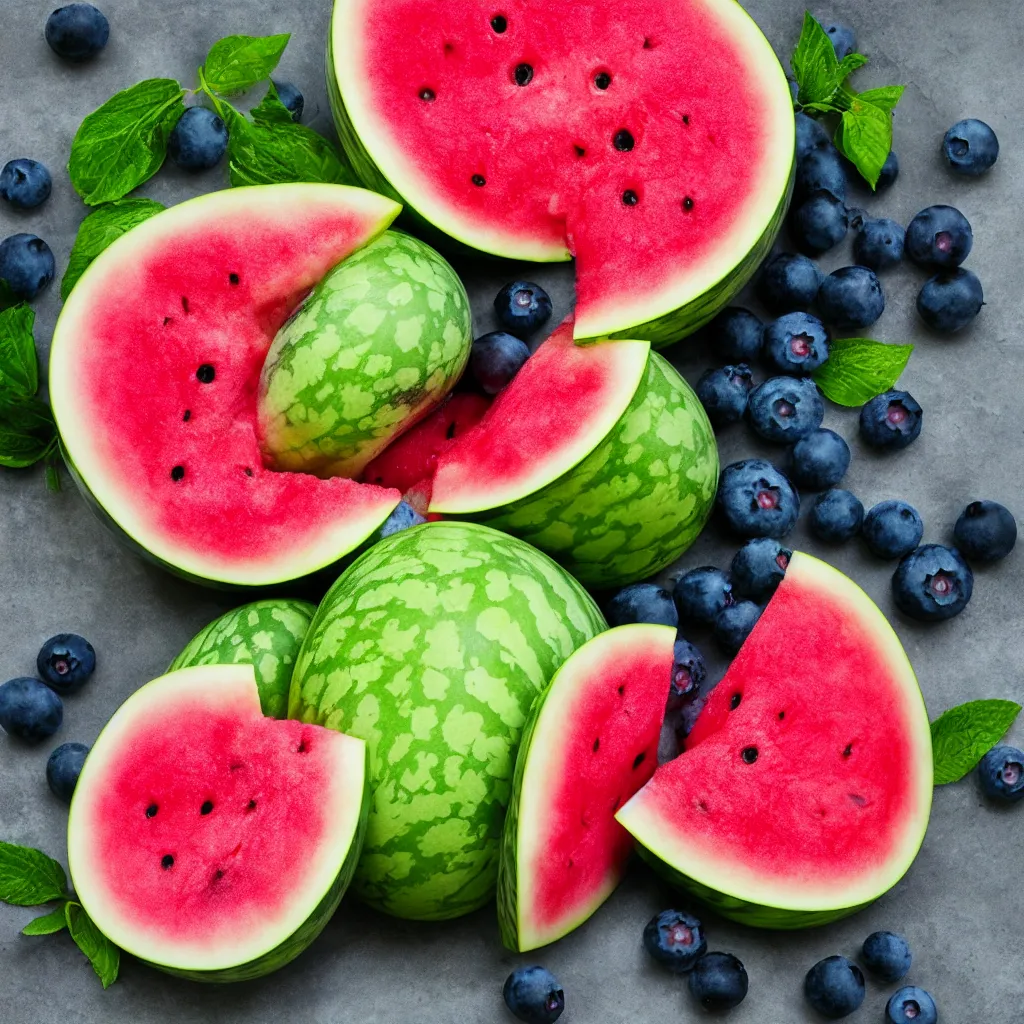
154,369
189,807
805,787
651,141
590,743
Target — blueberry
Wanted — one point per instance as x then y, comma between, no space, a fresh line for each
735,335
810,135
939,236
970,147
819,460
892,529
886,955
851,298
701,594
932,583
63,768
756,500
844,41
533,995
879,244
911,1004
1001,774
291,97
723,393
889,173
675,939
834,987
836,516
985,532
759,567
65,662
496,358
821,171
891,420
77,32
784,409
26,264
522,307
796,343
718,981
686,717
198,141
733,625
25,184
402,517
856,218
789,281
642,602
819,223
688,674
950,300
29,709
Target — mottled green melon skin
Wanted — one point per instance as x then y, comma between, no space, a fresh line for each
431,647
265,634
376,346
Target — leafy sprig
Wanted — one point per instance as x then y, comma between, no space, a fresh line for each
857,369
963,735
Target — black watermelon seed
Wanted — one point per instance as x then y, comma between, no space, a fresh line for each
749,755
639,759
479,180
177,473
187,416
686,118
450,432
579,150
206,373
523,74
248,470
623,141
167,861
427,95
734,701
602,80
848,750
233,278
499,23
207,807
597,743
687,204
630,198
168,320
151,811
251,805
184,303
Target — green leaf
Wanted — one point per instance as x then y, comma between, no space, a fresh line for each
885,98
54,921
53,476
28,878
271,110
857,369
19,367
124,142
7,297
104,225
27,434
864,137
849,64
963,735
815,64
237,63
104,956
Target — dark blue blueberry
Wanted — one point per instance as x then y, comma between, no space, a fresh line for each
642,602
77,32
29,709
856,218
784,409
836,516
533,995
821,171
402,517
879,244
886,955
687,715
789,281
810,135
522,307
985,532
890,172
844,40
759,567
735,335
701,594
892,529
796,343
688,673
63,768
26,264
911,1005
723,393
950,300
834,987
198,140
733,625
496,358
718,981
756,500
819,223
851,298
939,236
794,88
932,583
65,662
291,96
970,147
25,184
1001,774
819,460
675,939
891,420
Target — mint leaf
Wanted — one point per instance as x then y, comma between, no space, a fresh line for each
28,878
104,225
237,63
104,956
27,434
271,110
815,64
857,369
54,921
124,142
19,367
884,98
849,64
864,137
963,735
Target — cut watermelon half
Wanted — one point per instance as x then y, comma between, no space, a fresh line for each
652,141
590,743
805,788
154,368
208,840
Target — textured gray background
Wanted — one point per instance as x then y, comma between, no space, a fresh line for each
961,903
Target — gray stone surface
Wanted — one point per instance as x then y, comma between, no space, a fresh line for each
961,903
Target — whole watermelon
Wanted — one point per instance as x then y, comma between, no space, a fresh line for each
431,647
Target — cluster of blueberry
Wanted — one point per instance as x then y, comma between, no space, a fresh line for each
522,308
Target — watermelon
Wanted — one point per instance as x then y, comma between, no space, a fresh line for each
377,345
805,787
265,634
189,806
154,368
590,743
651,141
432,647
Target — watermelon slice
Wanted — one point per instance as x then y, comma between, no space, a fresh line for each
590,743
189,806
154,369
805,788
651,141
